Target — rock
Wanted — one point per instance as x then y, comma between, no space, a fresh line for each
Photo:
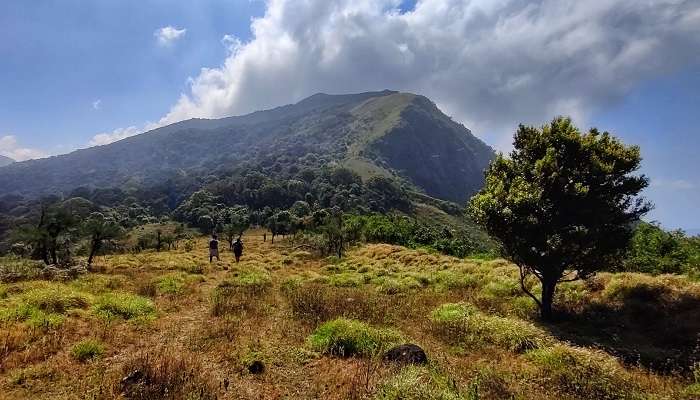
256,367
406,354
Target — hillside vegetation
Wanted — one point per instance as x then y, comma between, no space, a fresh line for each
286,324
385,133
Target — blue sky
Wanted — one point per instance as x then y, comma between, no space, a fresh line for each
76,73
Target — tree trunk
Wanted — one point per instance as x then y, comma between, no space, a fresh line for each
548,289
93,250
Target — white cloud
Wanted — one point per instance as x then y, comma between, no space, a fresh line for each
168,35
9,147
489,63
116,135
96,104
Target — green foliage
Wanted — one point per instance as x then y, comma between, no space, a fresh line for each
100,229
86,350
405,231
124,305
346,337
563,201
655,251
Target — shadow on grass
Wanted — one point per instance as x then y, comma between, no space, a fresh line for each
645,325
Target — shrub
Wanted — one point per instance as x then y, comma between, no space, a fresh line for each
124,305
87,350
418,383
585,373
464,323
346,337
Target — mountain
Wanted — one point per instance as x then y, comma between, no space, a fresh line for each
376,133
5,161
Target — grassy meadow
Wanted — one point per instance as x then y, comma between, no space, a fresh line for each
285,325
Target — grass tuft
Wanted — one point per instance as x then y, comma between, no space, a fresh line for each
346,337
124,305
465,324
584,373
86,350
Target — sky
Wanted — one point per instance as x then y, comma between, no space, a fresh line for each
75,74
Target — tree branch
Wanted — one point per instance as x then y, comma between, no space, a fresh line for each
523,275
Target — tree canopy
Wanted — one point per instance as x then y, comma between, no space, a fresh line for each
563,204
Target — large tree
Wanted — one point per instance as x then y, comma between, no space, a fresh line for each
563,204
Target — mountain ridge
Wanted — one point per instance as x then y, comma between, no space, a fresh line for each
374,133
4,160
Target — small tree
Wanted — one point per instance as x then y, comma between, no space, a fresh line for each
236,221
100,229
562,205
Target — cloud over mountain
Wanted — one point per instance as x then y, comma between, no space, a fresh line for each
489,63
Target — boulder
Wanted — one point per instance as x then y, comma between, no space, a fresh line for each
406,354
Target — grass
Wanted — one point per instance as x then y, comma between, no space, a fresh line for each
320,325
584,373
86,350
346,337
465,324
419,383
124,305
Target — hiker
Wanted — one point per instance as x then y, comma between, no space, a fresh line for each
214,248
238,249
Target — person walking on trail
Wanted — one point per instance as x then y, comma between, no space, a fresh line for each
214,248
238,249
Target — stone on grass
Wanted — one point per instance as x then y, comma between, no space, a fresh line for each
406,354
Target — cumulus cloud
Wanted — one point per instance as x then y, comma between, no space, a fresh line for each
168,35
9,147
490,64
118,134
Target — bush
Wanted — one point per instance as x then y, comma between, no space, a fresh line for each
346,337
124,305
87,350
464,323
585,373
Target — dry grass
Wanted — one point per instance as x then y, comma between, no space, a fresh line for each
195,328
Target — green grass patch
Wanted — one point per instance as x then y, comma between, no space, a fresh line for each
170,284
465,324
346,337
584,373
124,305
86,350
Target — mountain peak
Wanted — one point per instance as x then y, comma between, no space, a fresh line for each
385,133
5,161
